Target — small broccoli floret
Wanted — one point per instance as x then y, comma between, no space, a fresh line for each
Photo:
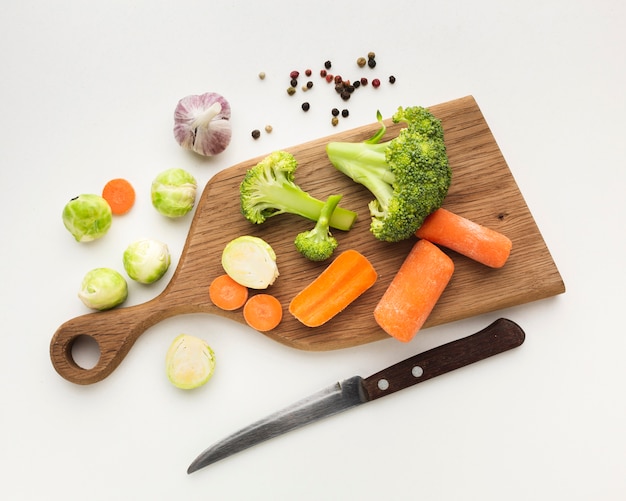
269,189
408,175
318,244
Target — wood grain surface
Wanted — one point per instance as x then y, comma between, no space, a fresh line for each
483,190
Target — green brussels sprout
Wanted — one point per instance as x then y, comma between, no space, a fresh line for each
250,261
189,362
103,288
146,261
87,217
173,192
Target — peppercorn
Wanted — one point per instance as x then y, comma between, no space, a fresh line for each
262,75
269,128
294,82
309,84
361,62
371,63
329,78
356,84
308,72
392,79
376,83
334,112
334,121
291,91
256,134
338,79
306,106
327,65
344,113
345,95
363,81
323,73
371,55
294,74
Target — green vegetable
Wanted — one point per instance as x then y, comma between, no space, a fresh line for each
318,244
146,261
189,362
103,289
269,189
409,175
87,217
173,192
250,261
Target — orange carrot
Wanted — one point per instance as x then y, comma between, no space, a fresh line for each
344,280
466,237
414,290
263,312
227,294
120,195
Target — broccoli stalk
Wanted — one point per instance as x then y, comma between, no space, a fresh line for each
318,244
409,175
269,189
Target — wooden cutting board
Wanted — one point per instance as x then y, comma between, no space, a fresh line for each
482,190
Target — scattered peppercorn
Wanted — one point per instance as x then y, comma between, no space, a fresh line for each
334,121
256,134
327,65
344,113
269,128
338,79
334,112
356,84
291,91
306,106
392,79
308,72
345,95
294,74
329,78
371,55
361,62
262,75
376,83
294,82
363,81
309,84
371,63
323,73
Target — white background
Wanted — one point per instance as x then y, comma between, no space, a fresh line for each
87,94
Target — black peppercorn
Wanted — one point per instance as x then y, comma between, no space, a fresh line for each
327,65
335,112
344,113
306,106
256,134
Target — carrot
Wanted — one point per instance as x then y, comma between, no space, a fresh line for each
120,195
343,281
466,237
414,290
227,294
263,312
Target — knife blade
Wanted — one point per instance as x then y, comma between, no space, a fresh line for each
499,336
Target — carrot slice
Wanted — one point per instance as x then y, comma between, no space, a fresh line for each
120,195
227,294
466,237
343,281
414,290
263,312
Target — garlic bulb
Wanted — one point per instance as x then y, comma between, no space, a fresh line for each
202,123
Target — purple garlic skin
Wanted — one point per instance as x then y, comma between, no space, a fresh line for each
202,123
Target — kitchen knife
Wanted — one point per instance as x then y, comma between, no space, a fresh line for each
500,336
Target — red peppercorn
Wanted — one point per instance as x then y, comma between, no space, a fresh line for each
363,81
329,78
376,83
338,79
294,74
308,72
323,73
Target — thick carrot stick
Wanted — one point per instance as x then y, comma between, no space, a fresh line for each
414,290
227,294
466,237
263,312
344,280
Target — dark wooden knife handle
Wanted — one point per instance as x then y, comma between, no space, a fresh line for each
500,336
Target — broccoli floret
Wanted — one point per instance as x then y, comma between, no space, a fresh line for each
269,189
318,244
408,175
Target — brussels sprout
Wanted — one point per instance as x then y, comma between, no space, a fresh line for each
189,362
87,217
250,261
103,288
174,192
146,261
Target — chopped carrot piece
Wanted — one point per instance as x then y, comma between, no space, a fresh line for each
466,237
343,281
414,290
120,195
263,312
227,294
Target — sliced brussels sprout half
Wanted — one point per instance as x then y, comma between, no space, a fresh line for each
250,261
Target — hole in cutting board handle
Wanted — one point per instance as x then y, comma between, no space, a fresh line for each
85,351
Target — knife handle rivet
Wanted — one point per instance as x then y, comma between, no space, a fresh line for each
383,384
417,371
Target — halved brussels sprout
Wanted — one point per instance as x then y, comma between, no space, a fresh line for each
146,261
103,289
189,362
250,261
173,192
87,217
